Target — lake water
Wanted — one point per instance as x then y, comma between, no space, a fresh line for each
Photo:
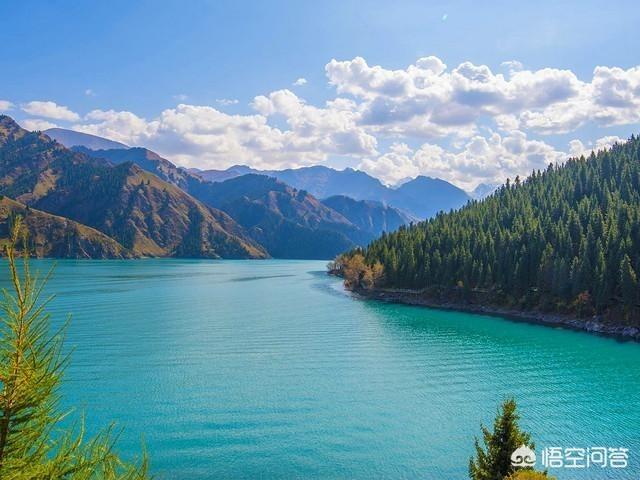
268,369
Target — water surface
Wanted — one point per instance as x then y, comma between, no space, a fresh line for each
268,369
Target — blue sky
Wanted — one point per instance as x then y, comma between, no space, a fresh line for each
145,58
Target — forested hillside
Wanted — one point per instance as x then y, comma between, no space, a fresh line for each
565,240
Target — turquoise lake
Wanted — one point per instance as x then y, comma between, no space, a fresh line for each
269,369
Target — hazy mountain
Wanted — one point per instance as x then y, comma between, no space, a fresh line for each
421,197
222,175
142,212
320,181
71,138
483,190
367,215
426,196
54,236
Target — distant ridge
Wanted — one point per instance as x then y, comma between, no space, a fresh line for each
288,222
71,138
484,190
420,198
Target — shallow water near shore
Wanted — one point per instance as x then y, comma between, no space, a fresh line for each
269,369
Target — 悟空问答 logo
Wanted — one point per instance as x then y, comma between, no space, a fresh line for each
523,456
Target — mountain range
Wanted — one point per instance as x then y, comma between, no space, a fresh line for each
420,198
288,222
92,197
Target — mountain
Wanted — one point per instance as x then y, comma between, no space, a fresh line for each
369,216
71,138
424,197
566,240
320,181
324,182
54,236
288,213
136,208
420,198
222,175
290,223
149,161
483,190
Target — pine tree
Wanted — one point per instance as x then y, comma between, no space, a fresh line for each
493,462
628,282
33,444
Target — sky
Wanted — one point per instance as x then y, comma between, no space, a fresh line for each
471,92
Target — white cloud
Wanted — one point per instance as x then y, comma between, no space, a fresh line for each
181,97
5,105
577,148
512,66
123,127
333,129
226,101
300,81
89,93
50,110
482,159
428,100
34,124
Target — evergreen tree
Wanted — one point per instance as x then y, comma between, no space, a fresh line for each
493,461
33,443
628,282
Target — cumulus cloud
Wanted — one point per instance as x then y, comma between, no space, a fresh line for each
5,105
50,110
332,129
300,81
481,159
123,127
578,148
512,66
34,124
427,99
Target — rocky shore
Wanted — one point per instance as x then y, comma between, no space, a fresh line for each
594,324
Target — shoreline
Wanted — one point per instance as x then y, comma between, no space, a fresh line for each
593,325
